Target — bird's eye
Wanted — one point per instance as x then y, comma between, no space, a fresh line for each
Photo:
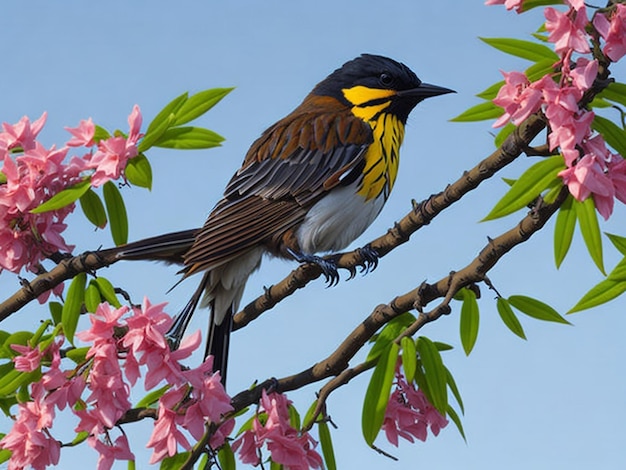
386,79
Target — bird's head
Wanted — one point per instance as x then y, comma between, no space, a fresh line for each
371,84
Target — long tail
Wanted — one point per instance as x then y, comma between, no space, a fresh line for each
218,342
169,247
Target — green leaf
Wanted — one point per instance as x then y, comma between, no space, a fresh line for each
442,346
590,230
198,104
457,421
326,443
226,457
454,389
92,207
619,271
469,321
117,213
539,69
107,291
73,305
528,187
599,294
10,382
491,91
78,355
524,49
389,333
152,136
189,138
564,230
139,172
63,198
536,309
509,318
480,112
615,92
503,134
56,310
165,116
100,133
294,417
409,358
435,373
600,103
5,454
175,462
152,397
377,394
92,297
614,135
618,242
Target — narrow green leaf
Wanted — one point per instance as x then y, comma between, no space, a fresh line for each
564,230
73,304
618,242
377,394
619,271
189,138
528,187
457,421
503,134
615,92
92,207
599,294
132,466
107,291
153,135
524,49
56,310
5,454
78,355
327,446
442,346
469,321
139,172
92,297
536,309
600,103
590,230
539,69
198,104
165,115
294,417
454,389
117,213
152,397
175,462
409,358
480,112
389,333
491,91
509,318
435,373
100,133
226,457
63,198
13,380
614,135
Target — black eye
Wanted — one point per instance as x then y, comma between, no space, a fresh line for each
386,79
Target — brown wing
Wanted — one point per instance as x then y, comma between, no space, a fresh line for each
285,172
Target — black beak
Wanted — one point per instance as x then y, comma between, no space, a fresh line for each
425,90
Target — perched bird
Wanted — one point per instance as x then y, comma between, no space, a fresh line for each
312,183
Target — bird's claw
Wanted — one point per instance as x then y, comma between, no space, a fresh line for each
328,266
369,258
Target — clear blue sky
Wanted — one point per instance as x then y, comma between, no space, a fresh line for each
554,401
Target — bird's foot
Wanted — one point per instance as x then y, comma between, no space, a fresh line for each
370,259
328,266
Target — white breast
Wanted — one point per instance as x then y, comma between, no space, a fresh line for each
337,220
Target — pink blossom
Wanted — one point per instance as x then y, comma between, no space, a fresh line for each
518,98
509,4
613,32
287,446
82,135
29,358
567,30
409,414
109,453
103,324
23,134
166,436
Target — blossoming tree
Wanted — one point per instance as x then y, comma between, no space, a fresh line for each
580,173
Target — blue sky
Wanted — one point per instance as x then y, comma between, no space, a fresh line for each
554,401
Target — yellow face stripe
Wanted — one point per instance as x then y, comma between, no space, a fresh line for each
382,157
358,95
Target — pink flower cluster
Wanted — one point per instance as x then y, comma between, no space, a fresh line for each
194,397
287,446
592,169
34,174
409,414
509,4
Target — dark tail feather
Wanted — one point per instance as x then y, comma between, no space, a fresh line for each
181,322
218,343
169,247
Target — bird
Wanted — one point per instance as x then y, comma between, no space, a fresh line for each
310,184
